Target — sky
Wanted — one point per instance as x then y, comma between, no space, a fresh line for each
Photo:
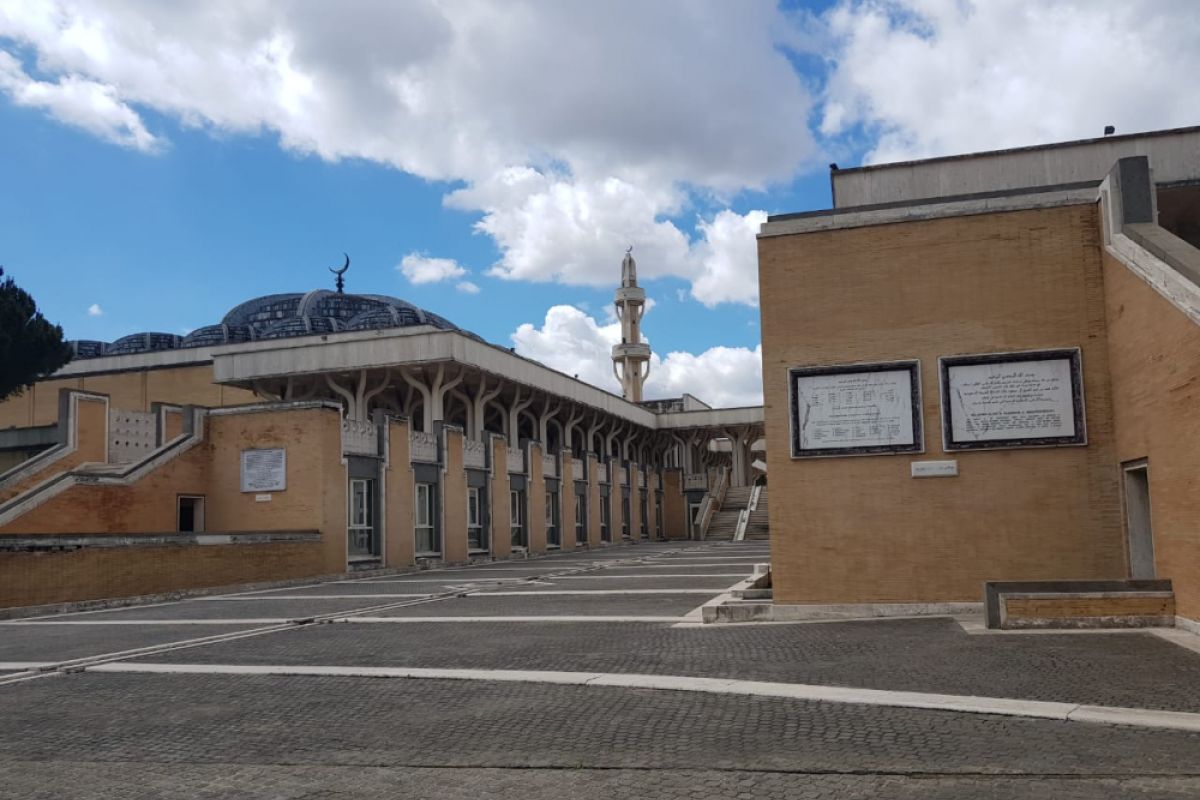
491,160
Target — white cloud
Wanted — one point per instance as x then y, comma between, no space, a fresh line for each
78,102
573,342
728,258
937,77
420,269
94,310
577,128
467,287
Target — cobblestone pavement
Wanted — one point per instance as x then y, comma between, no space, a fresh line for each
101,735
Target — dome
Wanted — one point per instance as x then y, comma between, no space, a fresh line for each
279,316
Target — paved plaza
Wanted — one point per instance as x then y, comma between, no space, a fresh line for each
579,675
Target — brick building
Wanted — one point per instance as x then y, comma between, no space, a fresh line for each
987,368
325,432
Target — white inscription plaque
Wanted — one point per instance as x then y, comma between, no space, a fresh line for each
854,411
264,470
1012,402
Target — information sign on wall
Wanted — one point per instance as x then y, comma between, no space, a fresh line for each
1028,399
264,470
855,409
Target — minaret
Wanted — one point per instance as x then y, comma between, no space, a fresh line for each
631,358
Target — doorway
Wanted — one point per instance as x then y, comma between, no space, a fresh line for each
1137,519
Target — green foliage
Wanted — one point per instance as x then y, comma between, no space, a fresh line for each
30,347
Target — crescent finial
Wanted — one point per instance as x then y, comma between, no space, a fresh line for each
340,283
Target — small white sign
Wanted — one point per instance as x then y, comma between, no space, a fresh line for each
264,470
262,498
934,469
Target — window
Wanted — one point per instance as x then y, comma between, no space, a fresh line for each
552,533
605,519
360,525
516,507
625,516
644,530
658,511
190,514
580,519
475,536
427,540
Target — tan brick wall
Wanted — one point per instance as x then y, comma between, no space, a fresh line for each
536,497
1133,605
594,500
635,501
399,488
614,504
566,497
860,529
315,497
454,499
674,505
500,510
130,391
1154,352
100,573
91,447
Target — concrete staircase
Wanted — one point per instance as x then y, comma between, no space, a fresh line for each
758,527
724,522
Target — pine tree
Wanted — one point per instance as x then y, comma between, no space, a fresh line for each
30,347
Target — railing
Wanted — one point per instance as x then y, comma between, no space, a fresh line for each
577,469
474,454
515,461
755,493
131,435
359,438
695,480
712,501
424,446
739,533
549,466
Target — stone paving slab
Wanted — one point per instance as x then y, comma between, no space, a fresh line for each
715,583
230,609
31,780
23,642
935,655
678,568
380,722
481,605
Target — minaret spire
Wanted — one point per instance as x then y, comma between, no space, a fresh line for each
631,358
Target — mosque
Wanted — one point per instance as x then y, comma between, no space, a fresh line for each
981,376
324,432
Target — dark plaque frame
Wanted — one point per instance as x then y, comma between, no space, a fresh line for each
912,366
1071,354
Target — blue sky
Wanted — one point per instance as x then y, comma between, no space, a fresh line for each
161,163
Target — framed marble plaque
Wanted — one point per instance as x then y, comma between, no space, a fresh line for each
855,409
1005,400
264,470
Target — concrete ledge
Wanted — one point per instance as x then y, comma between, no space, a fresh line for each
42,542
1078,604
775,612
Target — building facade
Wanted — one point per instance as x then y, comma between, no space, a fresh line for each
980,368
326,432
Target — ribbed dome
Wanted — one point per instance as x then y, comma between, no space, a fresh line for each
278,316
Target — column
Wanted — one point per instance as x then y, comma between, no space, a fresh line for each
499,511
